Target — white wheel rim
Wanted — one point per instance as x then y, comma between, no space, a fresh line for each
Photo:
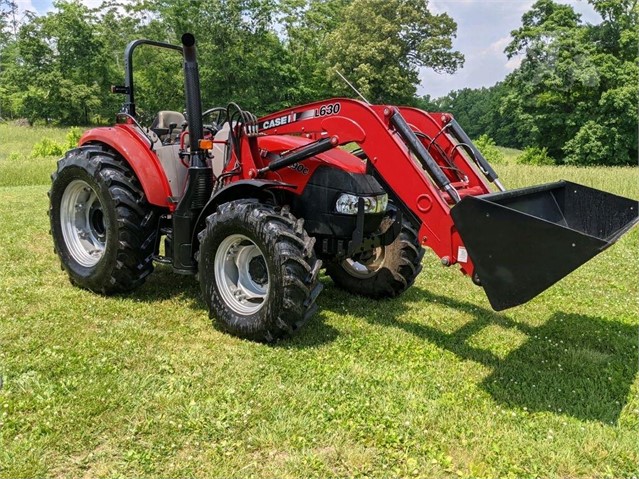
241,274
366,268
84,225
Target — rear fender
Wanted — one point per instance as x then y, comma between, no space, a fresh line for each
135,150
243,189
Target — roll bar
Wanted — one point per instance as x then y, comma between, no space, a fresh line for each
127,89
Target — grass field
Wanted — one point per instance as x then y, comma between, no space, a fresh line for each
510,155
431,384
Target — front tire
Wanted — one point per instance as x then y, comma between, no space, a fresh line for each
385,272
257,270
103,228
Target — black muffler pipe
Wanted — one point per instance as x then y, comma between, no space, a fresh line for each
199,185
420,151
193,99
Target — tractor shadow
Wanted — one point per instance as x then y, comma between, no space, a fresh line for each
572,364
575,365
163,285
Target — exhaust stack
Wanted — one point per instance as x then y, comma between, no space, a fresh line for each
192,92
199,183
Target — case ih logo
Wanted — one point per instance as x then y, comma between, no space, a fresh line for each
324,110
281,121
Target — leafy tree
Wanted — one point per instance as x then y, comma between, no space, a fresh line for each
533,155
9,20
241,57
307,27
618,33
472,108
56,64
574,94
380,44
594,144
80,61
574,76
427,103
489,149
556,76
4,26
480,111
265,54
4,42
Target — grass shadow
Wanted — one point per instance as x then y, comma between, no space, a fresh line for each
163,284
572,364
576,365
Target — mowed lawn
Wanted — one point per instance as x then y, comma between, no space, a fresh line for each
430,384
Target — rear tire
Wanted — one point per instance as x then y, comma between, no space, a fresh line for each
383,273
257,270
103,228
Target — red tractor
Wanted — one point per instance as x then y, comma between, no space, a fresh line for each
257,207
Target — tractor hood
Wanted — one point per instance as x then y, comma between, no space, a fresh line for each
334,157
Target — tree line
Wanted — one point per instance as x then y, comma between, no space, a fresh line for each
575,92
264,54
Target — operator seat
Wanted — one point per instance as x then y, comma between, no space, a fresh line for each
161,125
221,149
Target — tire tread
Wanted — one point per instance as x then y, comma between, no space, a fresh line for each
402,265
136,220
298,268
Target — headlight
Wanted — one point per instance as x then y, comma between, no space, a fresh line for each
347,204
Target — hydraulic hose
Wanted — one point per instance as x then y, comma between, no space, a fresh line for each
420,151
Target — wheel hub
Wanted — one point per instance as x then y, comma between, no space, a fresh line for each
96,220
365,264
257,270
83,224
241,274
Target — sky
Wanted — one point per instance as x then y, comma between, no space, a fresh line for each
483,31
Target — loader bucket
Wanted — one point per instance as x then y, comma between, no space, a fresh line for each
523,241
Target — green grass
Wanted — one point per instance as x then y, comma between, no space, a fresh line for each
430,384
17,167
622,181
510,155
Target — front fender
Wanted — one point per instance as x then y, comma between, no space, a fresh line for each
259,189
135,150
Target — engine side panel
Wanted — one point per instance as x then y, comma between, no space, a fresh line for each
299,174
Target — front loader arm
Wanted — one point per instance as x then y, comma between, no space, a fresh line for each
389,157
514,243
451,156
